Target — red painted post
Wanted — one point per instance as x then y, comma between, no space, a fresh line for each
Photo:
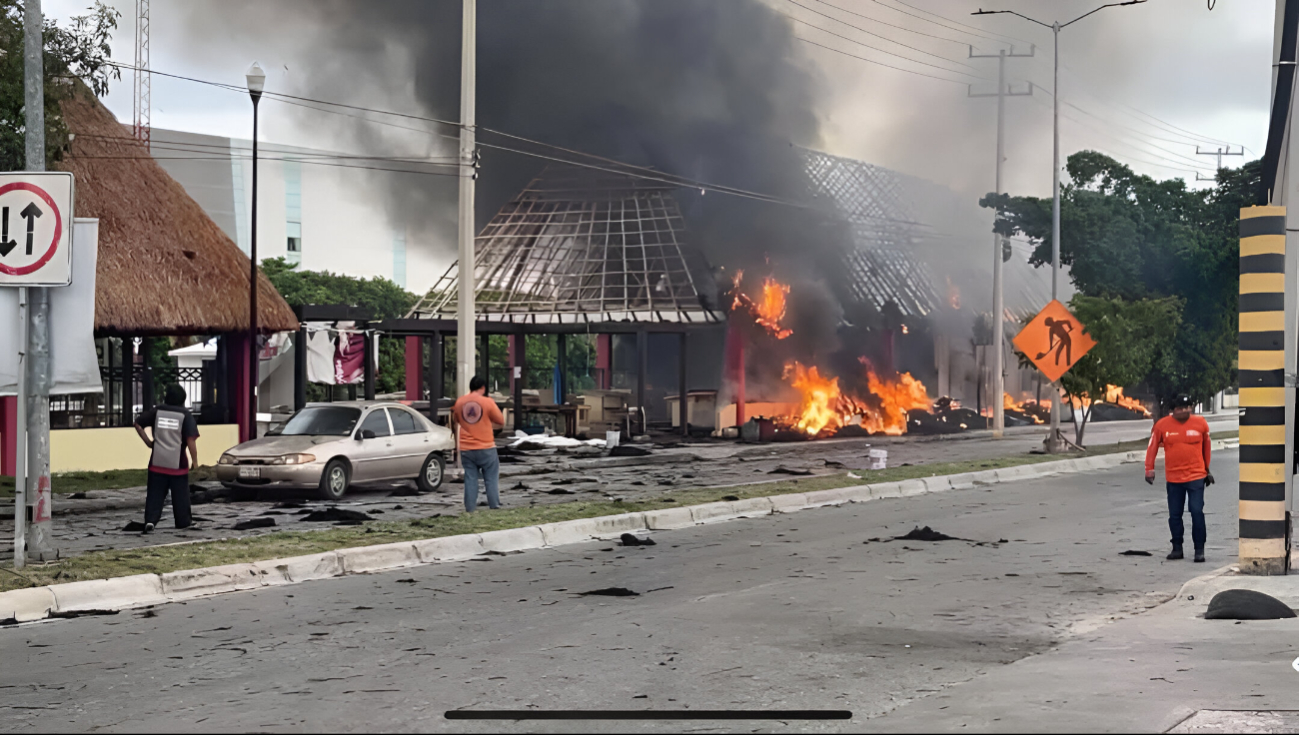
414,369
604,359
8,434
735,364
239,382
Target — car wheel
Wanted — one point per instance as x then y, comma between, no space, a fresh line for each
334,480
431,473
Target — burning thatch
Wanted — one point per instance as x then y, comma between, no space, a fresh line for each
165,268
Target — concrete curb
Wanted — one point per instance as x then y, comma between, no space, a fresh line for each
141,590
1202,589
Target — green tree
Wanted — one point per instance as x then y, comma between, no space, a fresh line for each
79,52
1131,337
383,298
1135,238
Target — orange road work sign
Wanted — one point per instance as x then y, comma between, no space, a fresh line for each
1054,340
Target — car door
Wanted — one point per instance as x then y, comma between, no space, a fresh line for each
410,442
369,456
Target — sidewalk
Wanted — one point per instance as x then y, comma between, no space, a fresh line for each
1149,673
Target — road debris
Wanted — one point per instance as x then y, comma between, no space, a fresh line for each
1131,552
633,540
926,534
1246,605
611,592
252,523
334,513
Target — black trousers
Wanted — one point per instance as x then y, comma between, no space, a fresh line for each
158,487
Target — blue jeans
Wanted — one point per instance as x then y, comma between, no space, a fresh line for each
1181,494
482,462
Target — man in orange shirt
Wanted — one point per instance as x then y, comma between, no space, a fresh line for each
1185,439
477,417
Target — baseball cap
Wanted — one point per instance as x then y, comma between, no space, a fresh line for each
1182,401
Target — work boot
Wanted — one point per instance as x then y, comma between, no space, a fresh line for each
1176,554
1199,554
148,528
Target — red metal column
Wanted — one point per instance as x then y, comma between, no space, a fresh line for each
604,359
735,360
8,434
237,373
414,369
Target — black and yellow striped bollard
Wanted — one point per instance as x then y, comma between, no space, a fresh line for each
1263,463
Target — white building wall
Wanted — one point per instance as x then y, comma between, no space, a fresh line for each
345,229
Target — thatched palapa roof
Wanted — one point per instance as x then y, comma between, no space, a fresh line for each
165,268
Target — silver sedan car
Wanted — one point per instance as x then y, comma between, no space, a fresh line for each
329,446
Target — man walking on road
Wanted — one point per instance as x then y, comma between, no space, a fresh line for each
174,432
476,417
1185,439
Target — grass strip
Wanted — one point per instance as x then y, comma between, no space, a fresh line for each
67,483
161,559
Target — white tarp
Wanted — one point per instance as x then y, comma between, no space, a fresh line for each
320,356
72,323
553,440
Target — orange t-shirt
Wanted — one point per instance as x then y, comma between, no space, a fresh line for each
1186,448
475,415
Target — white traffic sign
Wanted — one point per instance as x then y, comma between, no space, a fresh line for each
36,228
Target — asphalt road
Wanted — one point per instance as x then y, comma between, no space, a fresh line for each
799,611
89,525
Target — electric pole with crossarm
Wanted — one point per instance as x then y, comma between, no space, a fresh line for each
998,241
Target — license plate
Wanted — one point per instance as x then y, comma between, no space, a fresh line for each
250,472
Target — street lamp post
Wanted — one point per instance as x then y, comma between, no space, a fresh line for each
1052,440
256,82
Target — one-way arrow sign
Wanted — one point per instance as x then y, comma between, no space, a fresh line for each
30,213
41,204
6,244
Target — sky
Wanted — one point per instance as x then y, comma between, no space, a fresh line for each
1144,83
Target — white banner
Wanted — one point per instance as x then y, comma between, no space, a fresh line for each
72,324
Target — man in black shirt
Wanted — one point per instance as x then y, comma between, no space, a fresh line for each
174,432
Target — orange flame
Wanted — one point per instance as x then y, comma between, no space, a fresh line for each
769,310
1114,394
953,295
1025,406
819,408
824,409
896,397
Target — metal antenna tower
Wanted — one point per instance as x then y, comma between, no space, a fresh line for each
143,82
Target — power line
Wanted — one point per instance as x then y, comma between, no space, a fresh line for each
623,170
881,63
874,48
978,32
872,33
891,25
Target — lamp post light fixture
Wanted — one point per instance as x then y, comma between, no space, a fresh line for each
256,83
1052,441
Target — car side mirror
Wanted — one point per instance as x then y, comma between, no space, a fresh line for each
365,434
274,432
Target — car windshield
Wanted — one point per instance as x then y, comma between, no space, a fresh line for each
322,421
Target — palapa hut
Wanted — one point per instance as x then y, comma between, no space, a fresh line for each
165,270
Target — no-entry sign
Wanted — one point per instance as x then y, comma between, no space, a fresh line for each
36,229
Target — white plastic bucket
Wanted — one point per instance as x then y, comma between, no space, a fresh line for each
611,439
879,459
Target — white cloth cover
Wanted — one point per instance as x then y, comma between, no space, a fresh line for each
72,323
320,357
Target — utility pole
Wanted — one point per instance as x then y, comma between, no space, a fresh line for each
1054,439
37,470
465,341
1219,154
998,241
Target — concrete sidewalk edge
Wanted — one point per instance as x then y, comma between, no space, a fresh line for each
141,590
